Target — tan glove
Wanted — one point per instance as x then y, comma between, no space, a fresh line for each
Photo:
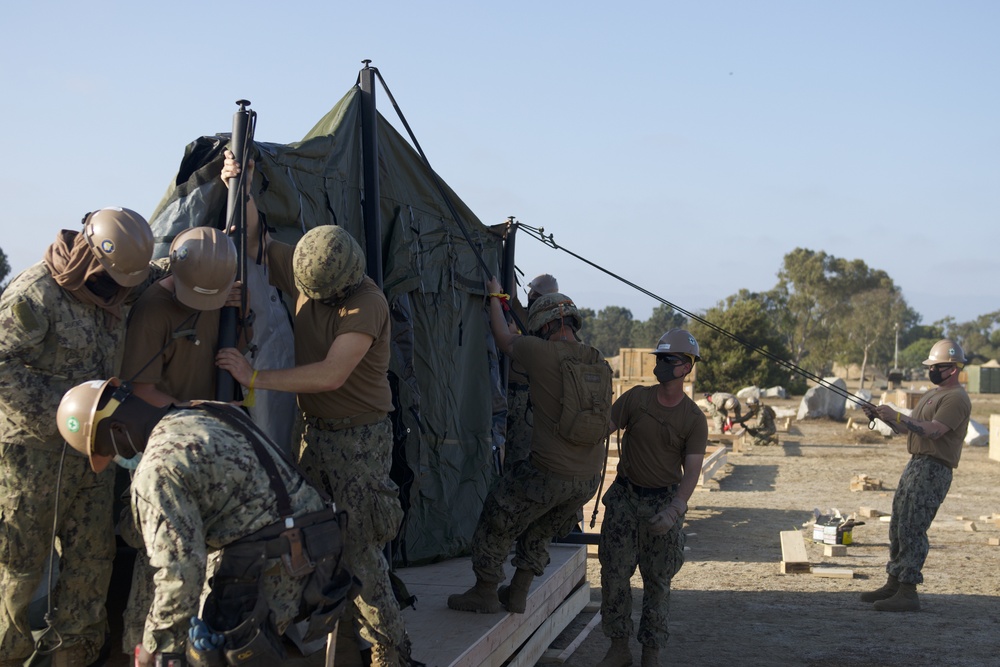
662,522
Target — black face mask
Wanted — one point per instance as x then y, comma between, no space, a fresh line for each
664,371
935,375
103,285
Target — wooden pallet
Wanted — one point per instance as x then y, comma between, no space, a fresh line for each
445,637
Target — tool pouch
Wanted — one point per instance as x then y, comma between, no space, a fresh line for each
199,658
255,642
330,586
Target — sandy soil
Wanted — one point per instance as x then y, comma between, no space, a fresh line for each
731,606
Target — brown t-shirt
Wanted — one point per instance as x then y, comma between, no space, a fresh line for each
317,324
548,449
950,406
178,342
657,438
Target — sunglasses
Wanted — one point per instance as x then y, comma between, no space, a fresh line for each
672,359
942,367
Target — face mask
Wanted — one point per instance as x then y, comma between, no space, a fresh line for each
664,372
130,463
103,285
935,375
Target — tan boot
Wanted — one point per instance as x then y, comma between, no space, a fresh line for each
481,598
393,656
884,593
515,596
618,655
905,599
650,656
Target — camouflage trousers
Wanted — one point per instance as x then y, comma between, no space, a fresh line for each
352,465
519,426
717,416
921,490
85,541
529,507
626,543
762,438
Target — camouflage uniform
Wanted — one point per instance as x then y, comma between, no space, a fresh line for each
626,543
519,423
925,481
717,410
528,506
50,343
764,431
654,451
920,492
199,487
352,465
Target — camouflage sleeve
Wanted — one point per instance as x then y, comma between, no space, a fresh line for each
169,519
24,388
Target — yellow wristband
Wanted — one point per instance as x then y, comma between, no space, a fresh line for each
897,418
250,399
500,295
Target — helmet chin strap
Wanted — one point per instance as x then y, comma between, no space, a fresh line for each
114,444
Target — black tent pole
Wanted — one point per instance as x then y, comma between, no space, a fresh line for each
369,152
229,316
509,283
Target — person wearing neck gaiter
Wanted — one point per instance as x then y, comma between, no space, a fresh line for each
61,323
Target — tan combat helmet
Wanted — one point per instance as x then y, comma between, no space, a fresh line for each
550,307
328,264
122,241
945,351
203,263
543,284
678,341
79,414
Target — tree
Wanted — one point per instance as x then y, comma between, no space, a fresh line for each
663,319
979,338
815,290
587,317
611,330
730,365
870,326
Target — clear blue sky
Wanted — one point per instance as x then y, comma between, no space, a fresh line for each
685,145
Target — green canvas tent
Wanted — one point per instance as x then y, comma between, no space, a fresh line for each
450,412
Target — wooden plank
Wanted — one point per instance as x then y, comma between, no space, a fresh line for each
795,568
793,547
994,444
834,550
441,635
870,512
715,458
833,572
532,622
561,656
550,628
547,597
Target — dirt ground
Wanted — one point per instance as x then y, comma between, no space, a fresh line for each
730,606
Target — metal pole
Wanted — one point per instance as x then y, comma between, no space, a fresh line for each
369,152
225,385
895,355
509,284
